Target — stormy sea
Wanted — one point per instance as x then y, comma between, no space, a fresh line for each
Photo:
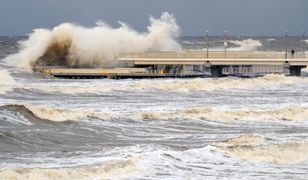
198,128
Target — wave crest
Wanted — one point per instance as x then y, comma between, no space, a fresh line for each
57,115
245,45
115,170
296,113
256,148
216,84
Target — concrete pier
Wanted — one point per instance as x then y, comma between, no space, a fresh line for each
187,64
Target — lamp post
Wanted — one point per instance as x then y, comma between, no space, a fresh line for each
303,34
225,43
207,43
286,43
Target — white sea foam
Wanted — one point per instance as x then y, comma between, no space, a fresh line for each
116,170
256,148
271,40
73,45
171,85
200,84
245,45
6,82
294,113
58,115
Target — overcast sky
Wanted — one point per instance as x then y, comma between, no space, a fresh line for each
239,17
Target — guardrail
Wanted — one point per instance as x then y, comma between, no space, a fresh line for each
210,55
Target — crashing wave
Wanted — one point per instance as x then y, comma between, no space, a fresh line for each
294,113
6,82
245,45
75,46
57,115
215,84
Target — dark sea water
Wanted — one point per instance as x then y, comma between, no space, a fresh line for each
227,128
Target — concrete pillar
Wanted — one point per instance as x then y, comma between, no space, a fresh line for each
286,68
216,71
296,70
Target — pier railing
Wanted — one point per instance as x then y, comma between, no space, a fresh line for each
211,55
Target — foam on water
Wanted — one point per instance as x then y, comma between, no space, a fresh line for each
294,113
57,115
285,114
170,85
256,148
216,84
6,81
117,170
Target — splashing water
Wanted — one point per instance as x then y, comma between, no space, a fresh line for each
73,45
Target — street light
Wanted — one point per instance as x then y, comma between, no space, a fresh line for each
225,43
303,33
286,39
207,43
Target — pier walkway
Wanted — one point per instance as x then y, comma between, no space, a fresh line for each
217,61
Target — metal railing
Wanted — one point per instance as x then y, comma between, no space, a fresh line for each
210,55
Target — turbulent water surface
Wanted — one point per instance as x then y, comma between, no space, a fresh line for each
154,129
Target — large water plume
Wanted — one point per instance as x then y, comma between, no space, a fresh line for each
76,46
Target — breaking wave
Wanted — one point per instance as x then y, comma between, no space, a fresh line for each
257,148
115,170
6,82
245,45
57,115
271,40
294,113
76,46
171,85
216,84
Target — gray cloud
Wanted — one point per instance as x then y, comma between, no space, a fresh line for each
240,17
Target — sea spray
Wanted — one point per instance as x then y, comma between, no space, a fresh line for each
245,45
76,46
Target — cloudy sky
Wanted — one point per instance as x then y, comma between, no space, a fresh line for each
239,17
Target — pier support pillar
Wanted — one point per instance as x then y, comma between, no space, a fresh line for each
296,70
292,70
216,71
